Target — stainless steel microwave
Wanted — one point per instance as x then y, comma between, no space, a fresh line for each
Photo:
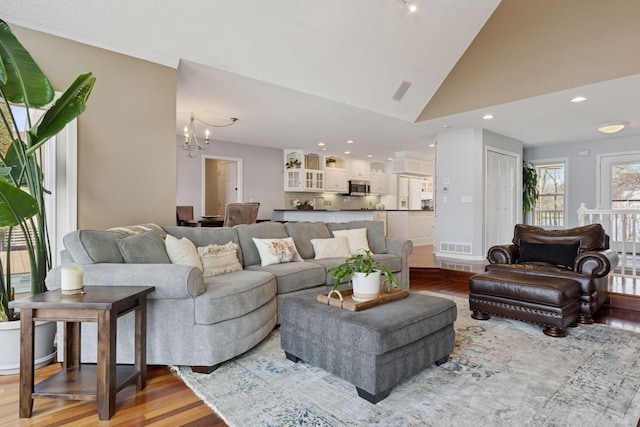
358,188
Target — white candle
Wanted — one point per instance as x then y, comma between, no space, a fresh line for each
71,279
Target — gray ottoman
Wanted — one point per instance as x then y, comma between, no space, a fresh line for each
373,349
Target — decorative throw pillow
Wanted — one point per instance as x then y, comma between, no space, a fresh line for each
331,248
219,259
276,251
562,255
357,238
182,251
144,248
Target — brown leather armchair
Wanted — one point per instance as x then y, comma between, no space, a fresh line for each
580,253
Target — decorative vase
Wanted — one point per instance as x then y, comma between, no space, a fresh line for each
365,287
44,350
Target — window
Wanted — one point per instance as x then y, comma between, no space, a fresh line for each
550,208
625,185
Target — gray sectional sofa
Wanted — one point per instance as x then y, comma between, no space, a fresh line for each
202,322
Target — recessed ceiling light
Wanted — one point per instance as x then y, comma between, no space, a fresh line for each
324,148
578,99
347,152
432,145
446,126
321,144
487,117
369,155
350,142
612,127
389,158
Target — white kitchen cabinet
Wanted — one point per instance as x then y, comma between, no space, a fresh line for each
313,180
303,172
379,183
336,180
359,169
416,226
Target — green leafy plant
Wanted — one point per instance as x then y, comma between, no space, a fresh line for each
530,192
360,263
330,160
293,163
22,192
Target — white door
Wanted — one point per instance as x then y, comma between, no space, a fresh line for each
227,185
500,198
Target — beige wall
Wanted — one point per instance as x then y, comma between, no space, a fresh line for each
126,137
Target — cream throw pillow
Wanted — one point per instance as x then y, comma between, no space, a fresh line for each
219,259
331,248
357,238
276,251
182,251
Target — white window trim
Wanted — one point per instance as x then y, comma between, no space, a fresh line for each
603,178
555,161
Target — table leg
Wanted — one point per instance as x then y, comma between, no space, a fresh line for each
72,345
141,342
106,393
26,362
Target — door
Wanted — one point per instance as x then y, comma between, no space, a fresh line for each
220,185
500,198
227,185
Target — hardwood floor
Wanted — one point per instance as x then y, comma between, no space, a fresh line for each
168,402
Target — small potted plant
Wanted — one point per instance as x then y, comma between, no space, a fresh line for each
365,274
293,163
330,162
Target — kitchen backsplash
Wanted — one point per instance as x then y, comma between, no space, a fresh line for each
332,201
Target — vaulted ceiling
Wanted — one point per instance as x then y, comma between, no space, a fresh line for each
297,73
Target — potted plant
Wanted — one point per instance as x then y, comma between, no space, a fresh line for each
22,193
365,274
330,162
293,163
530,192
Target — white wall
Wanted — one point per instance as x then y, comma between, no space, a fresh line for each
581,181
262,175
460,160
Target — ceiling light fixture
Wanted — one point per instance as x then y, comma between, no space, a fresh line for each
191,145
349,142
410,5
347,152
321,144
577,99
612,127
487,117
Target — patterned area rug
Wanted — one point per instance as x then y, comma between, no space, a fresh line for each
501,373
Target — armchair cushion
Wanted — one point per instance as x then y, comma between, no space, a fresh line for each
559,254
590,236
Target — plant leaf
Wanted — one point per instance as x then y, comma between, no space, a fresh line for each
21,79
22,205
70,105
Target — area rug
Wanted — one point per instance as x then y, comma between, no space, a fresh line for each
501,373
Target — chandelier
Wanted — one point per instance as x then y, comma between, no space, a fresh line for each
191,144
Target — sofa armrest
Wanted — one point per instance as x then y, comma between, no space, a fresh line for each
172,281
503,254
596,263
402,248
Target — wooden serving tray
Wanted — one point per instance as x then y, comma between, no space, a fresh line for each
344,299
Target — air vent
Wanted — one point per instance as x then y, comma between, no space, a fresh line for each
456,248
402,89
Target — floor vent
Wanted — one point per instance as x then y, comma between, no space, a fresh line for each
456,248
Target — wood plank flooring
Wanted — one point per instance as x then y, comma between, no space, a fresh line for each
168,402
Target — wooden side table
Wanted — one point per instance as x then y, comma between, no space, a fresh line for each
76,381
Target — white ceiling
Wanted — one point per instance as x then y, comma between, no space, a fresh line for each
297,73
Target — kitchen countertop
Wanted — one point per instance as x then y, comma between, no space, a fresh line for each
353,210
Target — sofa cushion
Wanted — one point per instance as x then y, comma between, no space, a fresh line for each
182,251
304,232
93,246
233,295
294,276
144,248
261,230
205,236
375,234
591,236
554,253
219,259
331,248
276,251
357,239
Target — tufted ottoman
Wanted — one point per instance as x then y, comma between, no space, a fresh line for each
548,301
373,349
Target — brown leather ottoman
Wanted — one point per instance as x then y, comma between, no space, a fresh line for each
547,301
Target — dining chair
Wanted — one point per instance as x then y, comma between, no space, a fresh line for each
184,216
241,213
